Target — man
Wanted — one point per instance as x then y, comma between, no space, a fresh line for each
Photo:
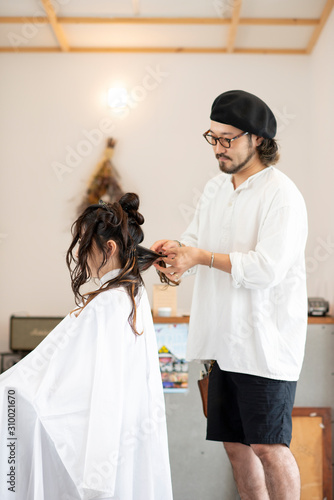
249,309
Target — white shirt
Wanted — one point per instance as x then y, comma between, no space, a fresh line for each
89,419
253,320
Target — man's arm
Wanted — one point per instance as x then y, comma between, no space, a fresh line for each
180,259
280,245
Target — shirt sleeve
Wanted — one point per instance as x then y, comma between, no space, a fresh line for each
190,238
281,240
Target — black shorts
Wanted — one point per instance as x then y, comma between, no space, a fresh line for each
248,409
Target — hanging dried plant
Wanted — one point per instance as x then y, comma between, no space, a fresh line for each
104,183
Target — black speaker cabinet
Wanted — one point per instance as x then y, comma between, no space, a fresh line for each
27,332
8,359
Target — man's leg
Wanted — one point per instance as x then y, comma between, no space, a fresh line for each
280,470
264,471
248,472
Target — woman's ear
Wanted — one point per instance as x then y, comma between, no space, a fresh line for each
112,246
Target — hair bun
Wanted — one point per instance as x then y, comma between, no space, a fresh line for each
130,204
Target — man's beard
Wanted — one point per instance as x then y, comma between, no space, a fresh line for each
235,168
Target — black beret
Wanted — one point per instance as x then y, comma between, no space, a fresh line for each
244,111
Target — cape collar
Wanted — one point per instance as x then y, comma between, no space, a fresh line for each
109,276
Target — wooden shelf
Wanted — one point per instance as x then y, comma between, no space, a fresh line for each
171,319
312,320
321,320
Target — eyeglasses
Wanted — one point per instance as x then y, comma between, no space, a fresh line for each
223,141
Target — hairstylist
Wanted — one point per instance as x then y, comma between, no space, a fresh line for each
249,309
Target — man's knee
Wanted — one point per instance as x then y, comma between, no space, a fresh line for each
270,452
236,451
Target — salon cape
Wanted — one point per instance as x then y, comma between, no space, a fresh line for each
82,416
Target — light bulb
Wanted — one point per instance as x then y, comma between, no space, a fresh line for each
117,97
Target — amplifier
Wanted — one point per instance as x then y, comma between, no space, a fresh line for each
27,332
8,359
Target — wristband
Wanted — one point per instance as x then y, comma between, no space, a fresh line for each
212,259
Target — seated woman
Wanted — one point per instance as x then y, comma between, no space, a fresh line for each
82,416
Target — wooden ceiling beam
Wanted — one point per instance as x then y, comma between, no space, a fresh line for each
135,7
272,51
57,29
234,25
172,50
23,19
145,20
317,31
163,20
278,21
118,20
30,49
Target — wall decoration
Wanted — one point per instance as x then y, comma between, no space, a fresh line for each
104,183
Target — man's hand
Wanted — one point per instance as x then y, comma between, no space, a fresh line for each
179,259
163,246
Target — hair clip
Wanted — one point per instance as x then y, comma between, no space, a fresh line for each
103,204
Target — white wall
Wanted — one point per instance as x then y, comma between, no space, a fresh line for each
48,101
320,174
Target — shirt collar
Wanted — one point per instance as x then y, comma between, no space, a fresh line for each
250,179
109,276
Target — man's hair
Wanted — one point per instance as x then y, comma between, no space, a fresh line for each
268,152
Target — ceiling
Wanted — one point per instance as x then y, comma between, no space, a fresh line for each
184,26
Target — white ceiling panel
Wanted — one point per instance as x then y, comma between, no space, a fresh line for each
26,35
20,8
278,37
183,8
282,8
146,35
95,8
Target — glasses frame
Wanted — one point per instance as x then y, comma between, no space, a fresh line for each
220,139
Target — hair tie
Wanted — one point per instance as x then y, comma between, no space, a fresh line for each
104,204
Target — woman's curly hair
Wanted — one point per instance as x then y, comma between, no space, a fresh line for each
120,222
